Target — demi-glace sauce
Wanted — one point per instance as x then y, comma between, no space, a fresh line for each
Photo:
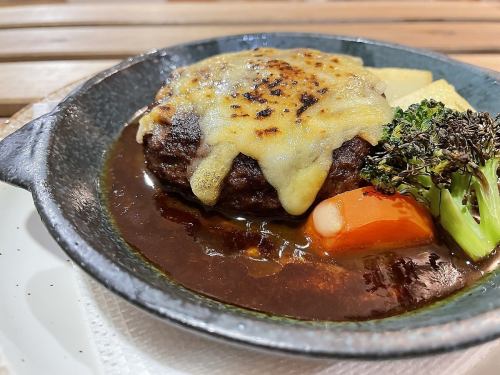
268,266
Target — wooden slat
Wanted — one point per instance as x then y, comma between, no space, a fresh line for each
5,3
244,13
19,87
119,42
25,82
6,127
489,60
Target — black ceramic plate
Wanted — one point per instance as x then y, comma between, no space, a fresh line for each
59,158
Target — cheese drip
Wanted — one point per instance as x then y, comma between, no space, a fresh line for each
287,109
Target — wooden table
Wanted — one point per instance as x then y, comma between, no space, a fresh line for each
45,47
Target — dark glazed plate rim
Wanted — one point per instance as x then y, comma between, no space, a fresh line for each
325,339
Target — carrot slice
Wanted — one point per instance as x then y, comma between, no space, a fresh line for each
367,219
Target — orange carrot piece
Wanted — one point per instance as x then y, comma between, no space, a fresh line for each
367,219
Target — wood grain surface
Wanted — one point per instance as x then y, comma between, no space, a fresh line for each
43,47
34,80
121,41
245,13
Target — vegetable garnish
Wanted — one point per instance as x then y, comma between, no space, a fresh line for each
367,219
448,161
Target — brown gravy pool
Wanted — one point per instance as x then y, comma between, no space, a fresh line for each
267,266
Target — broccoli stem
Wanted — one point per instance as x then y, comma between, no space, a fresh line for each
457,220
452,208
488,199
434,199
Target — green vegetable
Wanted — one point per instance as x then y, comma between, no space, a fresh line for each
448,161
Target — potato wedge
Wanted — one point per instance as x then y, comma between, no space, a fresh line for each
401,82
439,90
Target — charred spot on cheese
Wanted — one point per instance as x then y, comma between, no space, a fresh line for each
307,100
264,113
287,109
269,131
254,97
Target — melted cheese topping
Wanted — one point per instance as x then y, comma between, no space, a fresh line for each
287,109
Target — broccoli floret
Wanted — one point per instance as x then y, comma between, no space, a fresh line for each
448,161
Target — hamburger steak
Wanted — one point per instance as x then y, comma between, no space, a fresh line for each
265,132
172,148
